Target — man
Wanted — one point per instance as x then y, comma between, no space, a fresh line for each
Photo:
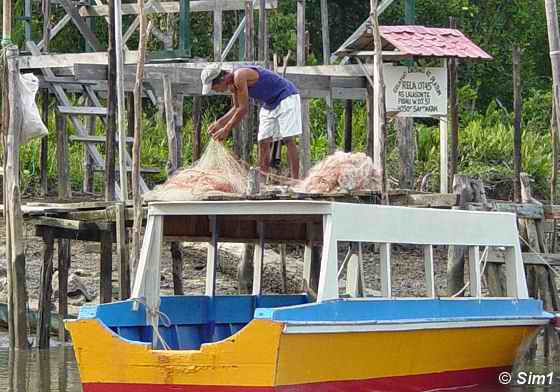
280,115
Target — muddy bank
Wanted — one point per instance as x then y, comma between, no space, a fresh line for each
408,275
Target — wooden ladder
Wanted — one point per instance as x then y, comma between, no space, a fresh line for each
65,107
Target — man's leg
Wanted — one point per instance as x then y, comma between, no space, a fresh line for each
293,156
264,155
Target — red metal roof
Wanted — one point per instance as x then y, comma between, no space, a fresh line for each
428,41
416,41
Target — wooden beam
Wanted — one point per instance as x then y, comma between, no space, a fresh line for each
45,292
84,29
64,261
172,7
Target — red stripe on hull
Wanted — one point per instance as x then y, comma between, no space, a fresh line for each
465,378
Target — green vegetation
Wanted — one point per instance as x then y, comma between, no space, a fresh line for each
486,137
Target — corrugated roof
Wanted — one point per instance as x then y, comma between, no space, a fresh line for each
415,41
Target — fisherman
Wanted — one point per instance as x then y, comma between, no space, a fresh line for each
280,115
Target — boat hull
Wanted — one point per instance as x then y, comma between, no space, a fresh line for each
262,357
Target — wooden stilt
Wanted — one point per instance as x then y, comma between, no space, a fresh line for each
87,183
259,261
407,151
106,268
213,258
196,128
111,131
122,252
45,146
517,102
45,292
64,262
62,155
245,269
283,268
15,255
305,139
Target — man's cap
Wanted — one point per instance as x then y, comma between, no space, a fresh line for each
211,72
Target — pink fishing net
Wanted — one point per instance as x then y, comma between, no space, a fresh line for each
218,172
341,172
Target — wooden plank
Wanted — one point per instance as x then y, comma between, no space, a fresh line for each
59,222
83,110
171,7
435,200
106,268
498,256
44,43
93,139
84,29
45,292
152,170
523,210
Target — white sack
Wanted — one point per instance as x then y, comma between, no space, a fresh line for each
32,124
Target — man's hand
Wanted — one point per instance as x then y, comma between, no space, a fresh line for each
214,127
221,134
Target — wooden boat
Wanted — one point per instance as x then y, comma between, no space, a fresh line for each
289,343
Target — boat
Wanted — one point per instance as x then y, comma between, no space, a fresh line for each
261,342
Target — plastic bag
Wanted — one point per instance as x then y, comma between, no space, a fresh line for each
32,126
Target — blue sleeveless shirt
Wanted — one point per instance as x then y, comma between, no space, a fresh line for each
270,89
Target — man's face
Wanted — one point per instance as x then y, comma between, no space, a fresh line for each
220,86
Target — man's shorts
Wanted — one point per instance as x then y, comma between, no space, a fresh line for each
282,122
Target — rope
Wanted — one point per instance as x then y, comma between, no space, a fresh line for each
156,314
539,256
483,260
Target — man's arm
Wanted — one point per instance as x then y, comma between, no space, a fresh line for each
240,106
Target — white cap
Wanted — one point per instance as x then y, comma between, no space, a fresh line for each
211,72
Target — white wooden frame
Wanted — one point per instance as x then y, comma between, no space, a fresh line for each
380,224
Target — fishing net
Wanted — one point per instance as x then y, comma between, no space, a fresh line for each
217,172
341,172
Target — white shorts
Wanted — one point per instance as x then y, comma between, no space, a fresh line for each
282,122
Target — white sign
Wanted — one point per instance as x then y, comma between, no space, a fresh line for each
415,92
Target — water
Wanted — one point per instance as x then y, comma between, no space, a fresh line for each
56,370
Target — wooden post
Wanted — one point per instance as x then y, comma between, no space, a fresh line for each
305,140
452,72
407,151
554,46
62,158
516,58
64,261
106,267
136,150
87,183
196,128
379,126
15,254
331,127
348,111
443,156
555,142
370,121
263,33
121,112
7,23
218,30
45,292
111,130
122,251
45,145
248,125
456,254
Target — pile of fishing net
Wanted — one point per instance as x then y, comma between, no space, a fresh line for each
341,172
217,172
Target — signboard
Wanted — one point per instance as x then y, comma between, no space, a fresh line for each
415,92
